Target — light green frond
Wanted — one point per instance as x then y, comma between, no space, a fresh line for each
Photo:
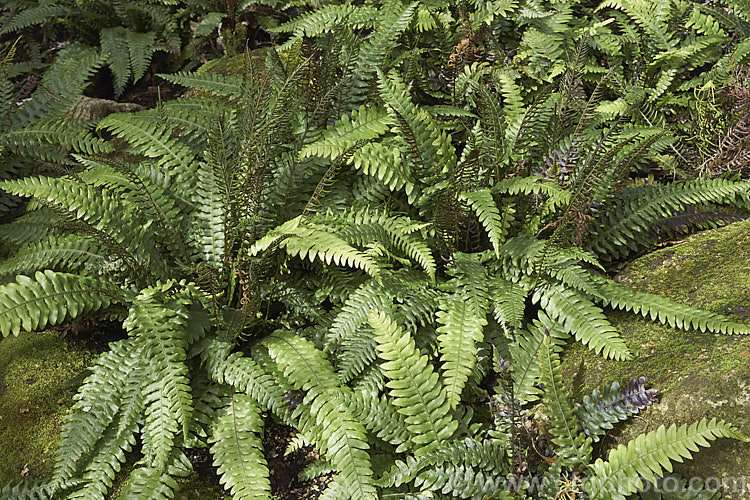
364,123
147,481
495,223
41,140
658,307
380,417
210,198
244,374
526,355
153,140
431,147
581,318
383,161
140,46
651,454
338,434
114,42
414,386
508,302
50,298
238,451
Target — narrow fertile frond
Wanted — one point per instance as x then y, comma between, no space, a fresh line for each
238,451
414,386
651,454
50,298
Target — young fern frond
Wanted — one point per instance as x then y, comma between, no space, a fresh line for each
237,449
415,388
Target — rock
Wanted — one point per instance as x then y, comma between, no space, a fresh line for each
91,109
699,374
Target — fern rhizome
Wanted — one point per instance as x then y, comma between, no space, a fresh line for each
353,242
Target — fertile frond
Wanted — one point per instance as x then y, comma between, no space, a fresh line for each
50,298
238,451
649,455
658,307
414,386
335,430
583,319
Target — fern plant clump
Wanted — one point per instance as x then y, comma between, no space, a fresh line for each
387,260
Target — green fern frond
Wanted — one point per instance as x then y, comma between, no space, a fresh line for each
37,138
244,374
658,307
116,373
380,417
32,16
27,490
573,447
215,83
625,225
508,301
310,241
153,140
140,46
160,323
114,41
209,229
337,432
525,352
414,386
238,451
383,161
158,484
463,482
65,253
364,123
581,318
431,147
99,209
496,224
50,298
651,454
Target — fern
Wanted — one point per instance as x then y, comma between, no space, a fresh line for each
335,429
49,298
237,449
651,454
415,388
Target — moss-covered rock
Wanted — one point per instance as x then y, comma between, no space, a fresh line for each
698,374
39,375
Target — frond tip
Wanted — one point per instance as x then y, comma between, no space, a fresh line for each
49,298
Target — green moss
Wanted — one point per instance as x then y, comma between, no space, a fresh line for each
36,392
699,374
